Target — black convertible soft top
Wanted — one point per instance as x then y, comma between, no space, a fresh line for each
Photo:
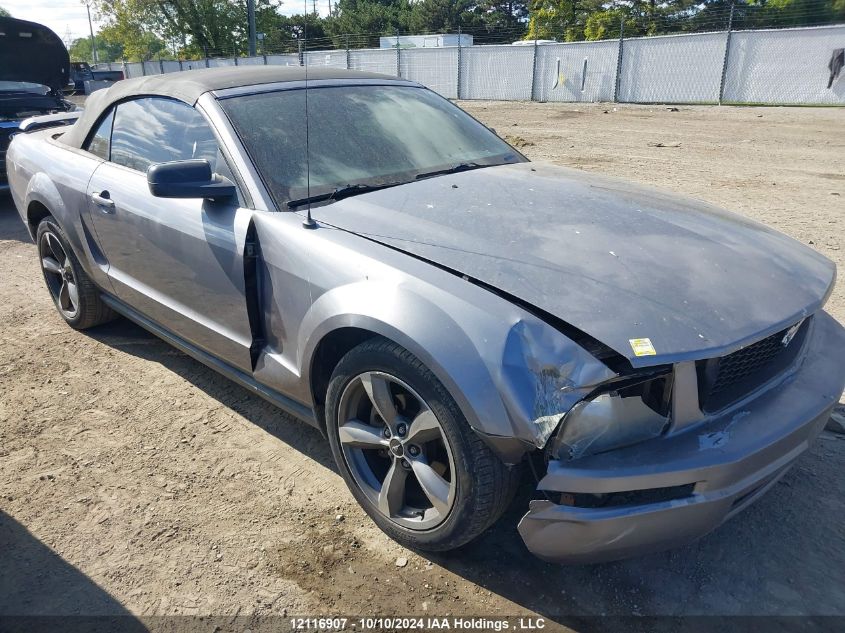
189,85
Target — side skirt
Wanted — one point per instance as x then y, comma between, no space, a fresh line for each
288,405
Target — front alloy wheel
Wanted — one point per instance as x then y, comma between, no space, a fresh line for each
396,450
407,453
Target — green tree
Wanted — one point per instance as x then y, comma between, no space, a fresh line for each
196,27
595,19
138,41
445,16
557,19
282,33
503,14
107,50
364,20
4,13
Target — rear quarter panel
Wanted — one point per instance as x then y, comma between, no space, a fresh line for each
44,171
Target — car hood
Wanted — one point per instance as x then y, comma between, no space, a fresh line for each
615,260
32,53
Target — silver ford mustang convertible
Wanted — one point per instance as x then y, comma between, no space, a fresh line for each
389,270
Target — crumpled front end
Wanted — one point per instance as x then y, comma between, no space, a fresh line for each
707,462
543,374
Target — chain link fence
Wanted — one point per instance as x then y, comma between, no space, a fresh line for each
774,67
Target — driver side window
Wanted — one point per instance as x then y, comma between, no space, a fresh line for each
157,130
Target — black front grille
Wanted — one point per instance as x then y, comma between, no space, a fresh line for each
739,365
724,380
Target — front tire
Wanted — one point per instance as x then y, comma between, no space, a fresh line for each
76,297
408,454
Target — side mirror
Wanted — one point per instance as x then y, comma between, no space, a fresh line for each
187,179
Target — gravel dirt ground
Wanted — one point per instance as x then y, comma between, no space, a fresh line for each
135,480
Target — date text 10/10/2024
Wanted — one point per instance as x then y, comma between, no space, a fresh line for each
454,623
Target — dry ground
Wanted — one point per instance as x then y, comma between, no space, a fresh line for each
133,479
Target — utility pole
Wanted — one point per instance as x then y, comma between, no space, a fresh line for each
314,6
91,31
250,10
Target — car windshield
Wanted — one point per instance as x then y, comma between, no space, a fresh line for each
360,138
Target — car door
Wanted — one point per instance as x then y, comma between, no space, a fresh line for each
179,262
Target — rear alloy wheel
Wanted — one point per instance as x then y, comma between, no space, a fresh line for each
76,297
58,274
408,454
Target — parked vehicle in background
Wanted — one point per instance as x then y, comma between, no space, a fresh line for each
441,308
34,69
80,72
82,76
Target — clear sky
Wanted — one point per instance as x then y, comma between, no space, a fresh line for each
68,17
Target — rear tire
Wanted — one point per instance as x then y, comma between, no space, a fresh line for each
75,296
451,486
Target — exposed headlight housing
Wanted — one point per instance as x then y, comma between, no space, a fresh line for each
625,411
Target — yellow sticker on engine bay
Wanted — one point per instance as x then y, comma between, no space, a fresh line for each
642,347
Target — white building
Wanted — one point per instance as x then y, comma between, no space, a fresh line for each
436,40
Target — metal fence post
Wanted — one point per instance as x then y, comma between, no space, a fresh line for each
727,53
299,48
347,52
398,56
160,65
458,87
534,71
619,59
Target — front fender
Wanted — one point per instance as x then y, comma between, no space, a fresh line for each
424,329
511,374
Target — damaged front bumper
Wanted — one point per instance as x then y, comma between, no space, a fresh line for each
676,488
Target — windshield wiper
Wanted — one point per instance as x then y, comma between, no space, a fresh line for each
454,169
341,192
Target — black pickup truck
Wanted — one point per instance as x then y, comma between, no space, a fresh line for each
80,72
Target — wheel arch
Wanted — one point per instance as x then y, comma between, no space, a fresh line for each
35,212
42,198
445,349
326,356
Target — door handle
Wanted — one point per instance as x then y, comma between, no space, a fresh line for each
103,200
